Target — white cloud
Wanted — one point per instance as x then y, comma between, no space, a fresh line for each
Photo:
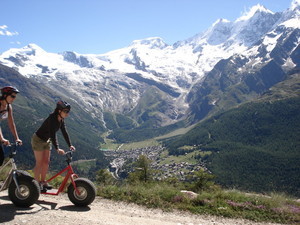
16,42
3,27
5,32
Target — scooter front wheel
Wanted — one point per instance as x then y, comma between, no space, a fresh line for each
86,192
28,192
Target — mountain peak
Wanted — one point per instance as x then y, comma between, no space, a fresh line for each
291,16
255,9
33,46
295,4
220,21
32,49
152,42
219,32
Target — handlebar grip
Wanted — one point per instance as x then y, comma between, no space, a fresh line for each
69,155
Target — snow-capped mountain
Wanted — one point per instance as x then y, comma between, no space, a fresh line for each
246,75
116,81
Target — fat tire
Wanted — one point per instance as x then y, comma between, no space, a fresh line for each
87,189
27,184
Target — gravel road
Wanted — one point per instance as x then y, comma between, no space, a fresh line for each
57,210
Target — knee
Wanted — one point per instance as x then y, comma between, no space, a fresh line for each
41,162
46,162
38,164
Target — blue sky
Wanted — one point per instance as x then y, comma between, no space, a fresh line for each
99,26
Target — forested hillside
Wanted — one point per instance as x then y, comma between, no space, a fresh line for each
254,146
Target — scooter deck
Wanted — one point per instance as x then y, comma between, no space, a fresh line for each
50,192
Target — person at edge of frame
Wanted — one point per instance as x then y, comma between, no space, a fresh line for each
8,95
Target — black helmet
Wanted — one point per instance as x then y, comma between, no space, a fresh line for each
8,90
63,105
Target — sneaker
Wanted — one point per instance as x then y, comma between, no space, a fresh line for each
45,185
43,190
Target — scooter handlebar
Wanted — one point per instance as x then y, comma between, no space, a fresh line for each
69,155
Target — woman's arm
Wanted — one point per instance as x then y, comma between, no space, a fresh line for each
65,133
2,139
52,125
66,136
12,126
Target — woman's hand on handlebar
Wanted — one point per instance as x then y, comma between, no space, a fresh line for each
60,151
72,148
5,142
19,141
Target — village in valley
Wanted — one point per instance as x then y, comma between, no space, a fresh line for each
163,170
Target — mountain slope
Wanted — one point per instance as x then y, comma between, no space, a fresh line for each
34,103
245,76
254,146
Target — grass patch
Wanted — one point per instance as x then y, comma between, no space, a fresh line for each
111,145
276,208
188,157
4,173
84,165
175,133
140,144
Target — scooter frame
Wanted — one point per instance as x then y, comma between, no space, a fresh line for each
69,175
81,191
23,190
11,174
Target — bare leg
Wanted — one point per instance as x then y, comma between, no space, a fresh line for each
38,165
45,164
41,164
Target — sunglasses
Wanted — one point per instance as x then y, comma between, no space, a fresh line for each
66,111
13,96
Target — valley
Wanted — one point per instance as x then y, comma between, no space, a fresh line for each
226,100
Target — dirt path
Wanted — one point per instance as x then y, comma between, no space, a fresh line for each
56,210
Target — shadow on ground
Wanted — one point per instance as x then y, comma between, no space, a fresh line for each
8,211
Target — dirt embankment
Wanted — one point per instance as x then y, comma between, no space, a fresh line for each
57,210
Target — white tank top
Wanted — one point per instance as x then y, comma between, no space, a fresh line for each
4,113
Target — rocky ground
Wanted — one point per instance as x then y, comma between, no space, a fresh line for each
57,210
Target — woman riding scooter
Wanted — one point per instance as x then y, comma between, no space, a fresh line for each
8,95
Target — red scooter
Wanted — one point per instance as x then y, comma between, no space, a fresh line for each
81,191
